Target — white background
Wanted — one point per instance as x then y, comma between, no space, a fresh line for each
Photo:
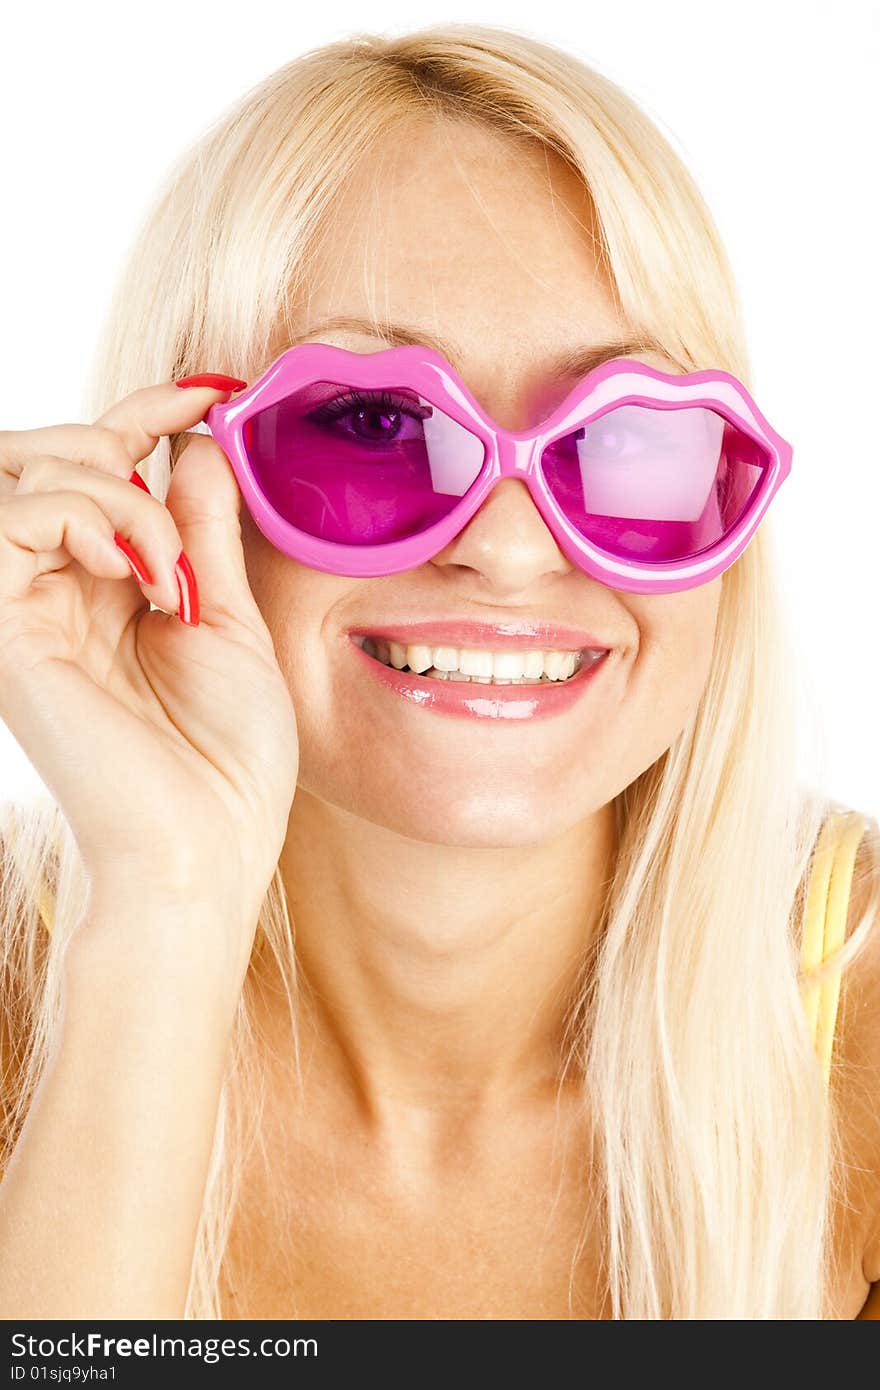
773,105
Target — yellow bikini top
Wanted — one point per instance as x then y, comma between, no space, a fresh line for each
824,923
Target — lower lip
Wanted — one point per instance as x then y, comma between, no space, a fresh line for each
483,701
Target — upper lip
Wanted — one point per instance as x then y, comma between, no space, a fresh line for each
520,635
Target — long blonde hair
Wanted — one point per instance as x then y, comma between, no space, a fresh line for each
717,1153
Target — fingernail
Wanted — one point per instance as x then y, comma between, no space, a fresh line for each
136,478
188,590
215,379
139,569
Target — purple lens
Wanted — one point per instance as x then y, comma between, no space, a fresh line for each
361,465
653,483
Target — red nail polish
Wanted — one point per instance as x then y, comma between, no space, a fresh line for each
136,478
215,379
188,590
140,569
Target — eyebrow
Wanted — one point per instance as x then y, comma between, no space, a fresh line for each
575,362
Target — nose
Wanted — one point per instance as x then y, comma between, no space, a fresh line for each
506,543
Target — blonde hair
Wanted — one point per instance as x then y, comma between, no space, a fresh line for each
717,1154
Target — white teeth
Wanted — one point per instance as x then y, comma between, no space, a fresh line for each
397,654
508,665
568,665
475,663
478,665
553,664
445,658
419,659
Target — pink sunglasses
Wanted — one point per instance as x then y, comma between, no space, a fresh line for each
371,463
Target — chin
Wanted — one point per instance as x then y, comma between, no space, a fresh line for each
481,821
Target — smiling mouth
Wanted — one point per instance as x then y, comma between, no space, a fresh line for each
483,666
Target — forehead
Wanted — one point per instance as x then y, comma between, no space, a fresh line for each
482,247
461,224
360,333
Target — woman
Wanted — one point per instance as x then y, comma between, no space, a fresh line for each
540,1050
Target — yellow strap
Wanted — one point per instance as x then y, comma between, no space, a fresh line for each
825,925
45,907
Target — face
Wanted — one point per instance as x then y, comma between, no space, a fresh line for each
490,252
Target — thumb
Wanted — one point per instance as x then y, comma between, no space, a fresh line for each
205,501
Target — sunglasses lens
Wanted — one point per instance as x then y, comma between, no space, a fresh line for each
358,465
654,483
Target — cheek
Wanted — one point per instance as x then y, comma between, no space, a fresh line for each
676,642
296,603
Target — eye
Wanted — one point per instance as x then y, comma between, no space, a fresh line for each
605,438
608,439
374,417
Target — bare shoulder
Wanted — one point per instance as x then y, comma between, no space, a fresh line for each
857,1051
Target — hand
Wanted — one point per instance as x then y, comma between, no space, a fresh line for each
171,749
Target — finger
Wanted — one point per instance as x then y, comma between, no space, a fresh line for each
90,444
119,439
141,418
140,520
35,527
205,500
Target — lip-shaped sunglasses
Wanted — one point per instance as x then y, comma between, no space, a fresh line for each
368,464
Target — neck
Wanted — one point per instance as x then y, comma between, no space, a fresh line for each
438,977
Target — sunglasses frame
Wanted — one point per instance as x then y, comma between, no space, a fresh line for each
507,454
